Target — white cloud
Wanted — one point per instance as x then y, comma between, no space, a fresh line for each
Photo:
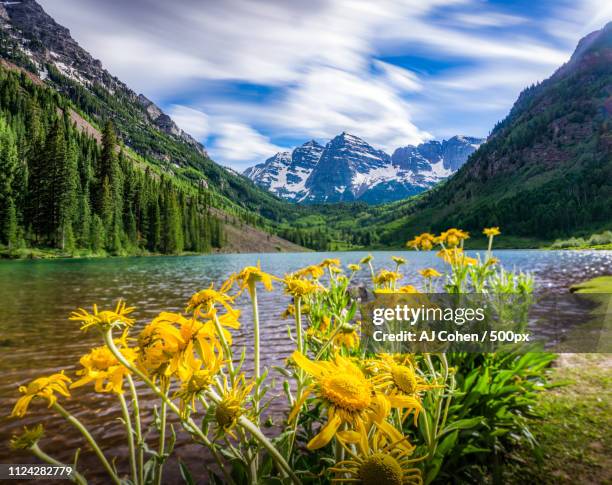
322,58
329,101
238,142
400,78
193,121
489,19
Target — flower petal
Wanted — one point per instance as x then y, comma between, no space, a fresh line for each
326,434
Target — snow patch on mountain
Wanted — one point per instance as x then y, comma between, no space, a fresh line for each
348,168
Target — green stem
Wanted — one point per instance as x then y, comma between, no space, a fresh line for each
89,438
75,476
330,339
137,429
130,436
298,323
159,467
224,344
189,425
253,293
256,364
300,372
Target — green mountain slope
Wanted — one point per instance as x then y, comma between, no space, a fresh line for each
31,40
545,171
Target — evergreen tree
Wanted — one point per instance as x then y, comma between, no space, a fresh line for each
65,191
8,168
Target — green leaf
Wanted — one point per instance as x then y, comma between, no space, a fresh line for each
186,474
463,424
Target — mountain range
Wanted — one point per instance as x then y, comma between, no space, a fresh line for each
347,168
545,171
33,44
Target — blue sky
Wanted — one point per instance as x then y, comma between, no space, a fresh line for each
250,78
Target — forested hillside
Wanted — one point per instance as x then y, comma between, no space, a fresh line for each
545,171
61,188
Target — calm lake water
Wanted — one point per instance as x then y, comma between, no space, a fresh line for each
37,338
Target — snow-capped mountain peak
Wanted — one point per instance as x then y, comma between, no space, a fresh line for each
348,168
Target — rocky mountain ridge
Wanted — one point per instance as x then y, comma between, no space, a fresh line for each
347,168
25,26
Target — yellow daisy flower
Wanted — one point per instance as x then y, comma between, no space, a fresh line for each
348,395
313,271
396,377
43,387
425,241
233,403
386,278
196,375
354,267
407,289
366,259
249,276
300,288
159,342
104,318
102,367
398,260
330,262
203,301
347,337
456,257
452,237
429,273
491,231
383,460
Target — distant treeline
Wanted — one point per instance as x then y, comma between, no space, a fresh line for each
62,188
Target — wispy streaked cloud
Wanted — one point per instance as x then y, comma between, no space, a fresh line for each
193,121
251,77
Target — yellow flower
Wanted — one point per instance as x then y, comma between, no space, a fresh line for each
429,273
104,319
300,288
425,241
159,342
248,277
102,367
347,337
233,402
196,374
383,460
366,259
491,261
408,289
396,377
453,237
491,231
313,271
28,438
386,278
203,301
43,387
398,260
354,267
289,312
329,262
347,394
456,256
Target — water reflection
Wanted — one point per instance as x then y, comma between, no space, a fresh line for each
36,297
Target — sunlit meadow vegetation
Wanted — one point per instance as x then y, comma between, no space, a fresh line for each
350,415
599,241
